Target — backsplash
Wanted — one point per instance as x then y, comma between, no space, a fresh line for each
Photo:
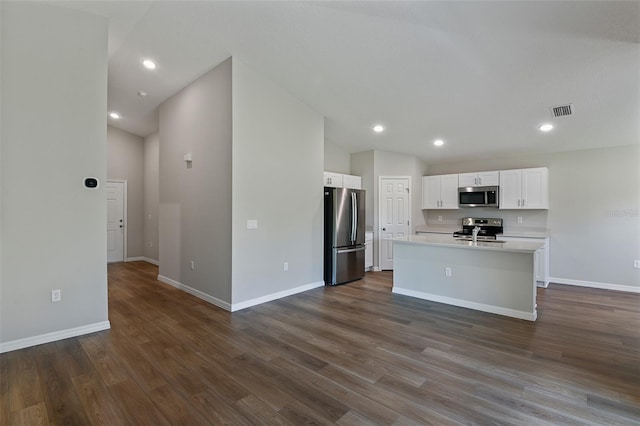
531,219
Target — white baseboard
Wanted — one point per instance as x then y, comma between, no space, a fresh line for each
53,336
275,296
467,304
143,259
197,293
594,284
242,305
375,269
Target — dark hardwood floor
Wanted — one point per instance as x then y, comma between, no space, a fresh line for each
352,354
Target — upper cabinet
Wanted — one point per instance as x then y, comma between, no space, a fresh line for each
333,179
338,180
440,192
524,188
479,179
353,182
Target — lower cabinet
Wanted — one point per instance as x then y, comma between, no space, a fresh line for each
368,250
540,258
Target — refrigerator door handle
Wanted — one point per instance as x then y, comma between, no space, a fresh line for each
354,216
351,250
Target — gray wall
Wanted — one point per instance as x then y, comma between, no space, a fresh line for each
278,145
54,97
125,161
593,216
151,195
371,165
195,203
336,159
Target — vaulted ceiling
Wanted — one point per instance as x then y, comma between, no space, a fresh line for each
480,75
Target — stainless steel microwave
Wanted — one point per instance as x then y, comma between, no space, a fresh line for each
478,196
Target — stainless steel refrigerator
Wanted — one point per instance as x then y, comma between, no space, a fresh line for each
344,224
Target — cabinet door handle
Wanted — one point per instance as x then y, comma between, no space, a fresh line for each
518,203
523,202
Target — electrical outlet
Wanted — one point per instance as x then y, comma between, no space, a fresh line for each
439,218
447,271
56,295
519,219
150,244
285,266
636,264
192,265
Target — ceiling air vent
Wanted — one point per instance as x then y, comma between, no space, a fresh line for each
562,110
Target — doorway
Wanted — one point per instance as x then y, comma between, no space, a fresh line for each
394,201
116,220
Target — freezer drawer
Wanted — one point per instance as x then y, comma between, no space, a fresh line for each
347,265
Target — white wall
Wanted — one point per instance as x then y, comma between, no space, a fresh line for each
195,203
53,136
278,145
151,195
593,216
336,159
125,161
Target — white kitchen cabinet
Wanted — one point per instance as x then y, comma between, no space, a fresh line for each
440,192
339,180
540,258
333,179
368,250
479,179
350,181
524,188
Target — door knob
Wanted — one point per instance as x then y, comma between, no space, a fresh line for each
120,226
384,229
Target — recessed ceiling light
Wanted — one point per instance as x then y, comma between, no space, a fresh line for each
114,115
438,142
149,64
546,127
142,94
378,128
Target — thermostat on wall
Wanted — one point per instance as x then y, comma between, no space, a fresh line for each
91,183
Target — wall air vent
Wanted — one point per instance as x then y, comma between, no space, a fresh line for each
562,110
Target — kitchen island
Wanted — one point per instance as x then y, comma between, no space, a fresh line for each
496,277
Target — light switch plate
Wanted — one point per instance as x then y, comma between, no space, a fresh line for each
252,224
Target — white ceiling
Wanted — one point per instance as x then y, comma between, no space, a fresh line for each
481,75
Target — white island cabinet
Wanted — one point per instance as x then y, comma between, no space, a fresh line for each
440,192
486,276
524,188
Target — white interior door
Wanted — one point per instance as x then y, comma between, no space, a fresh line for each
115,221
394,201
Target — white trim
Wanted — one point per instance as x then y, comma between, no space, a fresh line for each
274,296
124,207
409,209
197,293
151,261
142,259
375,269
242,305
53,336
594,284
467,304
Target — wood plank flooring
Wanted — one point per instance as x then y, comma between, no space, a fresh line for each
350,355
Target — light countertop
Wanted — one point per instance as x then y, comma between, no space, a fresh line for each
509,232
444,240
